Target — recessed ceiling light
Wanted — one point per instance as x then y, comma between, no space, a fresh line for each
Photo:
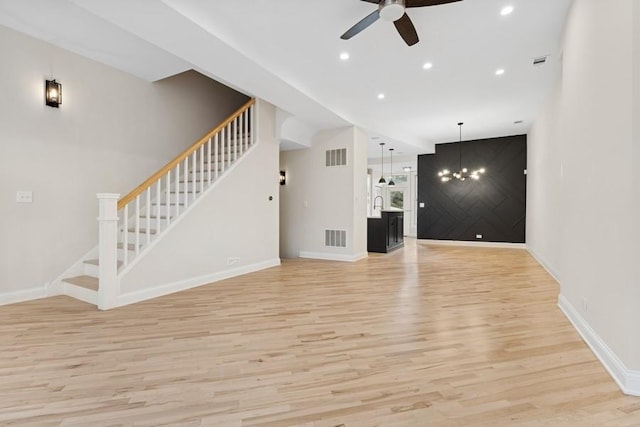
381,96
344,56
499,71
427,65
507,10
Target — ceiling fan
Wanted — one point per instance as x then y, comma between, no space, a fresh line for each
394,11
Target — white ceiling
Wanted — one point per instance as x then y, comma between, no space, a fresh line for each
287,52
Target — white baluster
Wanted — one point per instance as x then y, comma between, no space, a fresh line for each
194,185
137,228
228,148
254,129
148,214
245,130
240,133
168,194
186,183
222,140
176,189
235,139
108,287
158,192
216,153
209,159
201,168
125,237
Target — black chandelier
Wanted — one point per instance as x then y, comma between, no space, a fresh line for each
463,173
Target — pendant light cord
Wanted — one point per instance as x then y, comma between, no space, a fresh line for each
460,159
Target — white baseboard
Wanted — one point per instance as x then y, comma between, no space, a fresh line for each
543,262
23,295
473,244
169,288
334,257
628,380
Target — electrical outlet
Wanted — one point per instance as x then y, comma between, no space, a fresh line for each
233,260
478,236
24,196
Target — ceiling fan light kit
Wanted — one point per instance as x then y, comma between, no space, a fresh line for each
394,11
391,10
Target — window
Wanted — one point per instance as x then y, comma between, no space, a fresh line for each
396,199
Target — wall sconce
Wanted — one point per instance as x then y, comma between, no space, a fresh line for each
53,93
283,177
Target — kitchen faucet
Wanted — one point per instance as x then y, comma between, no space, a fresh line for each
381,202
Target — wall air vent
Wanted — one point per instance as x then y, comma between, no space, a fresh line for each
336,157
335,238
540,60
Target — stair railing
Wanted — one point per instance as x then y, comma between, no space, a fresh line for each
152,206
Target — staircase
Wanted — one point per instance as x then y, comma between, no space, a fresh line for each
129,226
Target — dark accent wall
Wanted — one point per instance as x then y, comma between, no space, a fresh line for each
494,206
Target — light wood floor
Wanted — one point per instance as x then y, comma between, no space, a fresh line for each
426,336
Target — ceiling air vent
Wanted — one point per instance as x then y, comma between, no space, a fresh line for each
540,60
336,157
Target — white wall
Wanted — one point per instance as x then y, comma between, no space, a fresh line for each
111,132
544,182
583,222
359,192
635,148
317,197
235,219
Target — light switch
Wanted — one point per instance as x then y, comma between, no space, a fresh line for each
306,204
24,196
422,204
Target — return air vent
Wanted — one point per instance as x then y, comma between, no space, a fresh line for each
337,157
335,238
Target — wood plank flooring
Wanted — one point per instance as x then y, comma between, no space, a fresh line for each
424,336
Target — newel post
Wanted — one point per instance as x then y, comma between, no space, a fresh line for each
108,289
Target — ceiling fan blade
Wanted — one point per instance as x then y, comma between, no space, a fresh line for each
372,1
407,30
364,23
423,3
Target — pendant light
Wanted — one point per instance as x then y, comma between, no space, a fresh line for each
391,183
382,180
463,173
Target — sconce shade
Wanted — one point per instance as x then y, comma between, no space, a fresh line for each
53,93
283,177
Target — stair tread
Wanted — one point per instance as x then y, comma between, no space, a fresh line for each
142,230
130,246
163,217
87,282
97,262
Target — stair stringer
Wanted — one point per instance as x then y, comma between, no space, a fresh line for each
200,247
